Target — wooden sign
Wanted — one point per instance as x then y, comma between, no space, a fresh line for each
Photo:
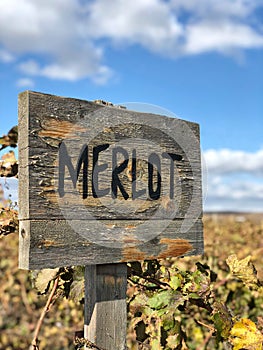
101,184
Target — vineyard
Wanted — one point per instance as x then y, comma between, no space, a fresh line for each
213,301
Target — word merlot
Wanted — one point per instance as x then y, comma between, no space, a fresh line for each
115,185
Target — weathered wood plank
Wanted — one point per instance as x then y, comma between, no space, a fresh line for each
105,305
52,119
23,153
57,243
102,185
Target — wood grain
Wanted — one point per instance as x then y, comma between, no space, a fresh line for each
105,305
52,243
45,123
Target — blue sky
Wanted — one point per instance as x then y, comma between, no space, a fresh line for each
201,60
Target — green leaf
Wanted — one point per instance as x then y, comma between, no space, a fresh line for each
160,299
155,345
198,283
222,321
163,299
168,321
175,282
161,312
193,296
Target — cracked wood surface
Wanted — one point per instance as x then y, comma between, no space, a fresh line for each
51,227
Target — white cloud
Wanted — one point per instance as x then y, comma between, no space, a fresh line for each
51,31
223,37
25,82
225,161
66,39
150,23
30,67
237,190
234,180
6,56
176,28
216,9
230,194
71,67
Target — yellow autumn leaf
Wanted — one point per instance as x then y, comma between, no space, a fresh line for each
9,158
245,335
8,164
244,270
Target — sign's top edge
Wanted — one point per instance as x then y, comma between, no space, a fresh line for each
103,104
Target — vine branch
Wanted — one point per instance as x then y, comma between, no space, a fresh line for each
35,341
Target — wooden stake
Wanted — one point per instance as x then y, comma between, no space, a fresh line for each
105,305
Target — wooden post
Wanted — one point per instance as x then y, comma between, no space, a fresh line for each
105,305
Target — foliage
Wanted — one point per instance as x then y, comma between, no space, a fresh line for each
245,335
244,270
173,303
209,302
10,139
8,220
8,165
21,306
178,309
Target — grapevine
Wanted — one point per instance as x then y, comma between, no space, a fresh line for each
208,302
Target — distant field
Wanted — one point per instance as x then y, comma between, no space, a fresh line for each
224,234
256,218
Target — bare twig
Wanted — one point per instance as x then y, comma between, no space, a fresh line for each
143,286
221,283
35,341
206,325
208,337
158,283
